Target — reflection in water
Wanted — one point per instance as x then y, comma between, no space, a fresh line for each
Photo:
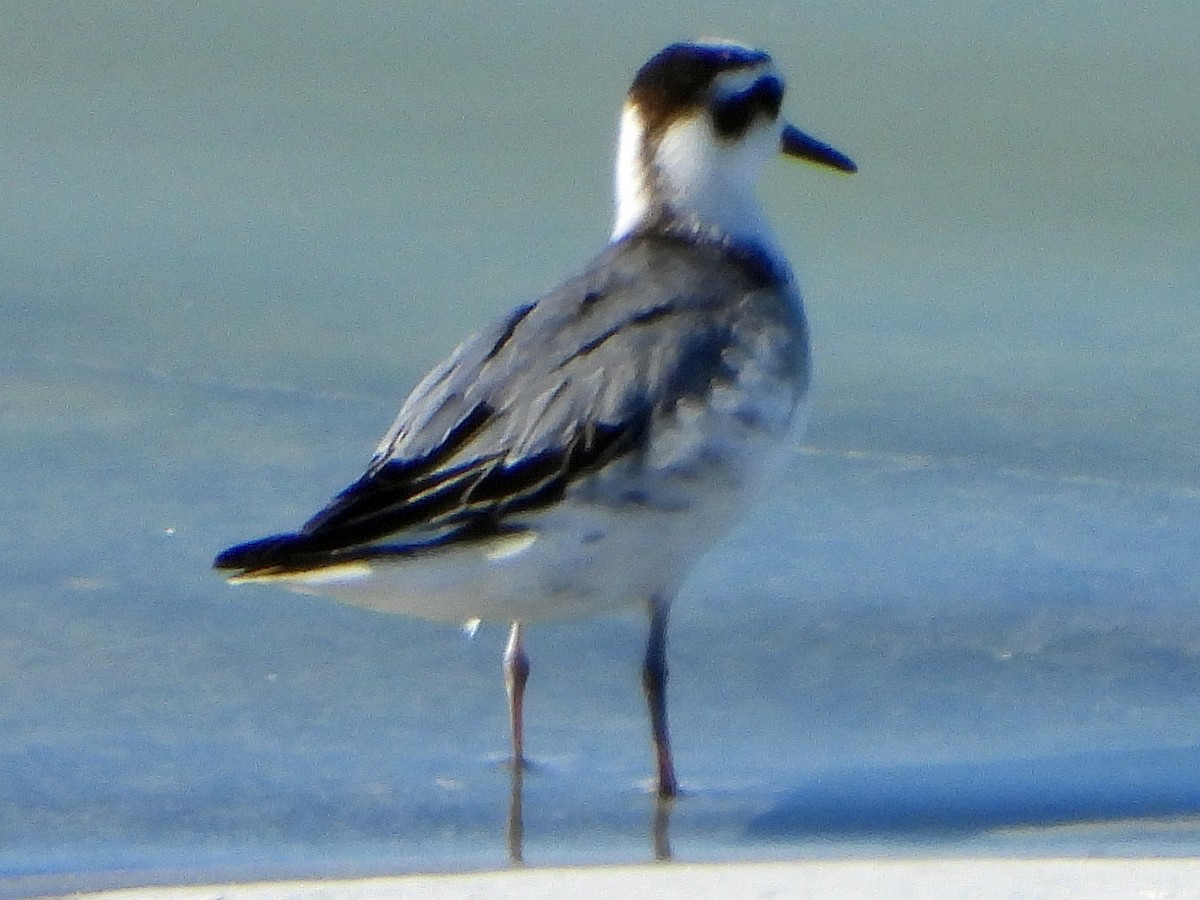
516,821
660,828
660,822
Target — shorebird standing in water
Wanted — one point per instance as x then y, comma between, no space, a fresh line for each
580,454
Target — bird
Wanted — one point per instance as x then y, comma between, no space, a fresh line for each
580,454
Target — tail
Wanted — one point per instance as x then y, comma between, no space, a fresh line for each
275,555
307,558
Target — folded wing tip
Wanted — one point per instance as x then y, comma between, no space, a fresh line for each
263,553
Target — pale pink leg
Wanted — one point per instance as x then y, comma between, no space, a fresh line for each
516,674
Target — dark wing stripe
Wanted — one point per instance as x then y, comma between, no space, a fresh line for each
542,478
478,492
645,317
379,504
469,503
468,474
391,483
515,319
456,438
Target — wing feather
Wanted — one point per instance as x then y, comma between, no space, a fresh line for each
555,391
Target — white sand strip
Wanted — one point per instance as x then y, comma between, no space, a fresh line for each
1061,879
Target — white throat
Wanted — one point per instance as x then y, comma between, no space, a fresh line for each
694,176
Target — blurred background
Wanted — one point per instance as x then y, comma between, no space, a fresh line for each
234,234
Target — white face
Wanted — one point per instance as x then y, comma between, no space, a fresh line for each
696,171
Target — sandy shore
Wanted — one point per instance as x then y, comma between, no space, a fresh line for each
1093,879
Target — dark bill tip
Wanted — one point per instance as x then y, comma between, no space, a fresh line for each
795,143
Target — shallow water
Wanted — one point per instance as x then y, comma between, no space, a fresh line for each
968,623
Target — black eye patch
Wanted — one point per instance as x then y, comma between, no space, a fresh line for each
732,114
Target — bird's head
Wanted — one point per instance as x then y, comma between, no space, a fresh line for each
700,121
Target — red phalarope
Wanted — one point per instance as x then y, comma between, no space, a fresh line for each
582,453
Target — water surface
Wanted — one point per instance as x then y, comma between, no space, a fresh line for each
235,234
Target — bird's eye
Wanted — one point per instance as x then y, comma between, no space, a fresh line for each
734,113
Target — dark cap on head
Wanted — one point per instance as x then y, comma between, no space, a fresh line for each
679,77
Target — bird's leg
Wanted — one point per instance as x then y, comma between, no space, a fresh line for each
654,682
516,674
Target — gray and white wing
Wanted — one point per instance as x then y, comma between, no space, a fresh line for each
554,392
